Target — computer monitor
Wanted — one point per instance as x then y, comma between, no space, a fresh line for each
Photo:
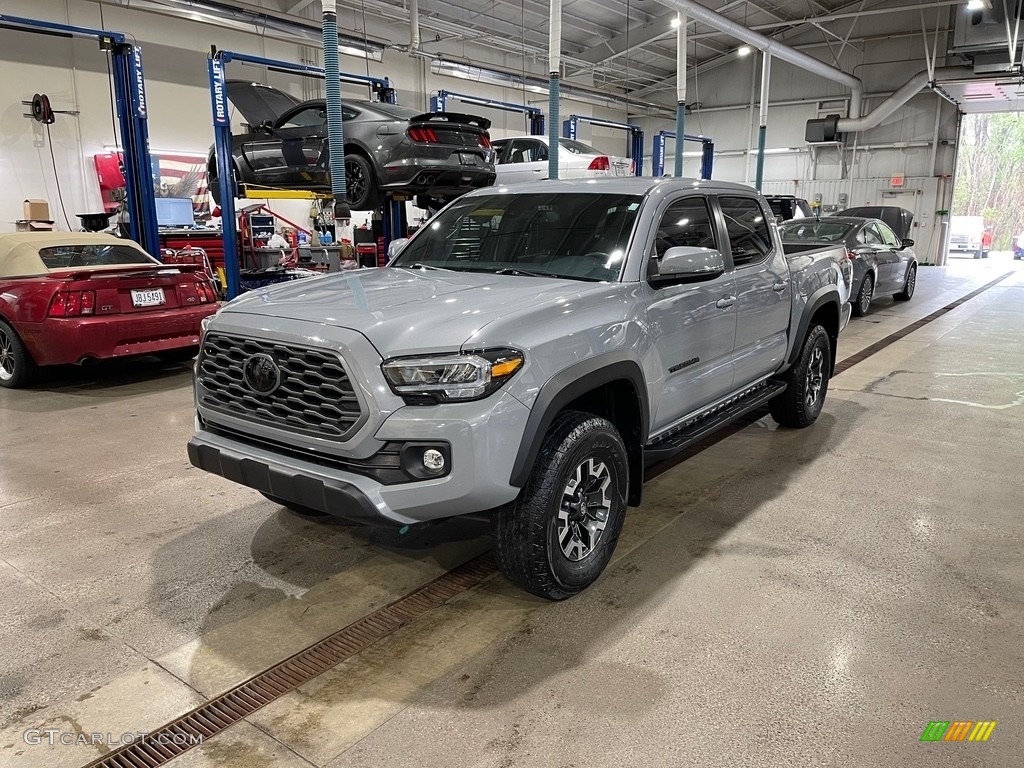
175,212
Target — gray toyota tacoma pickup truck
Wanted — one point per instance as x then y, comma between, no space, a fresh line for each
523,355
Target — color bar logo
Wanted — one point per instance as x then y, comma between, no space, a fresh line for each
958,730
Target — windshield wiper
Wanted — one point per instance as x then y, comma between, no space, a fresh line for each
420,265
522,273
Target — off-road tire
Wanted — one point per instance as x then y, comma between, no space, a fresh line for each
17,368
862,303
526,542
792,408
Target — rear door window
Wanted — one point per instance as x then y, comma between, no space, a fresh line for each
871,236
749,237
527,151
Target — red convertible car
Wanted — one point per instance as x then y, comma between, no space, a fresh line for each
76,297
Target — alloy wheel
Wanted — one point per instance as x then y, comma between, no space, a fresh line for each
355,181
911,282
585,506
815,378
865,293
6,356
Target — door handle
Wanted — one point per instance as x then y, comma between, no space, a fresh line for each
725,303
780,286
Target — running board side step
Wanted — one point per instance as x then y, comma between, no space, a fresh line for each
694,433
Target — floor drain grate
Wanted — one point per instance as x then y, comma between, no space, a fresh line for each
209,719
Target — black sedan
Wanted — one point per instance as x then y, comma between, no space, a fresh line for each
388,148
882,262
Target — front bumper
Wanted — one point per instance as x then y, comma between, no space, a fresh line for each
483,436
63,341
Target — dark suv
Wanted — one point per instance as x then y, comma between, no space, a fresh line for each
439,155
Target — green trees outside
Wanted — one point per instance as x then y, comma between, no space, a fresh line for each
990,174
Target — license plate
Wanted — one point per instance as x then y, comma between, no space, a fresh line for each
151,297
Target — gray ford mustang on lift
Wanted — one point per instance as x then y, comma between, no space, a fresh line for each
388,148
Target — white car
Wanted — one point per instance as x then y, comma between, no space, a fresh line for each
525,158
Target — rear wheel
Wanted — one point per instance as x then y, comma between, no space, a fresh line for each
17,368
557,538
360,184
908,287
800,405
296,508
863,301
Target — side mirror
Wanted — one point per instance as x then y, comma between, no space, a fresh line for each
907,243
396,246
686,264
267,127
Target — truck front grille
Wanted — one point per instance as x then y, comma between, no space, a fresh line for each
314,396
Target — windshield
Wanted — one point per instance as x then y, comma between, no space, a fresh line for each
66,256
570,235
830,231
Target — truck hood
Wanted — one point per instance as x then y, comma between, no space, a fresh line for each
407,311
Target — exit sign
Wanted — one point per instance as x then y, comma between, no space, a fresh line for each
898,180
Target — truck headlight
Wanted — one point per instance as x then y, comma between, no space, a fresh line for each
451,378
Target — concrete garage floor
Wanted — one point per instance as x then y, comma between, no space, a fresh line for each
802,598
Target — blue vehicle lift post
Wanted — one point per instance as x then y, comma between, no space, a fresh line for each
394,211
439,103
130,96
570,129
707,160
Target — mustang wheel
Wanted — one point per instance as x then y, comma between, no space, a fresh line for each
557,537
800,405
908,288
360,184
17,368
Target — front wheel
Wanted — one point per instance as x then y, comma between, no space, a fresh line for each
557,538
800,405
909,286
863,300
17,368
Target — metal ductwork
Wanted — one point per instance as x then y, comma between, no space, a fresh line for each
778,50
902,97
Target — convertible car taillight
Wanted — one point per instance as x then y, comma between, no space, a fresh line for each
423,135
68,303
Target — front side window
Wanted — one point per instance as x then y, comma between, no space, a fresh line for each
311,117
749,236
576,236
687,222
67,256
888,236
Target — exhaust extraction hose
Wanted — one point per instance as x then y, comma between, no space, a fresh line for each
335,127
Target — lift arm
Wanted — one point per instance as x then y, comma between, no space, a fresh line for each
439,103
130,96
570,130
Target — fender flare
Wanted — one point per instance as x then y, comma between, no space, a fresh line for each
566,386
827,294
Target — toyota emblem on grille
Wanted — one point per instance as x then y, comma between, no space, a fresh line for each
261,373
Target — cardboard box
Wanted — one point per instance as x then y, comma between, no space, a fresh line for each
36,210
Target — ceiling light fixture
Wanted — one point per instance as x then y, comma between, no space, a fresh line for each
675,22
744,50
975,5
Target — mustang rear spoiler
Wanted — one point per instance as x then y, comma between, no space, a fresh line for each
452,117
